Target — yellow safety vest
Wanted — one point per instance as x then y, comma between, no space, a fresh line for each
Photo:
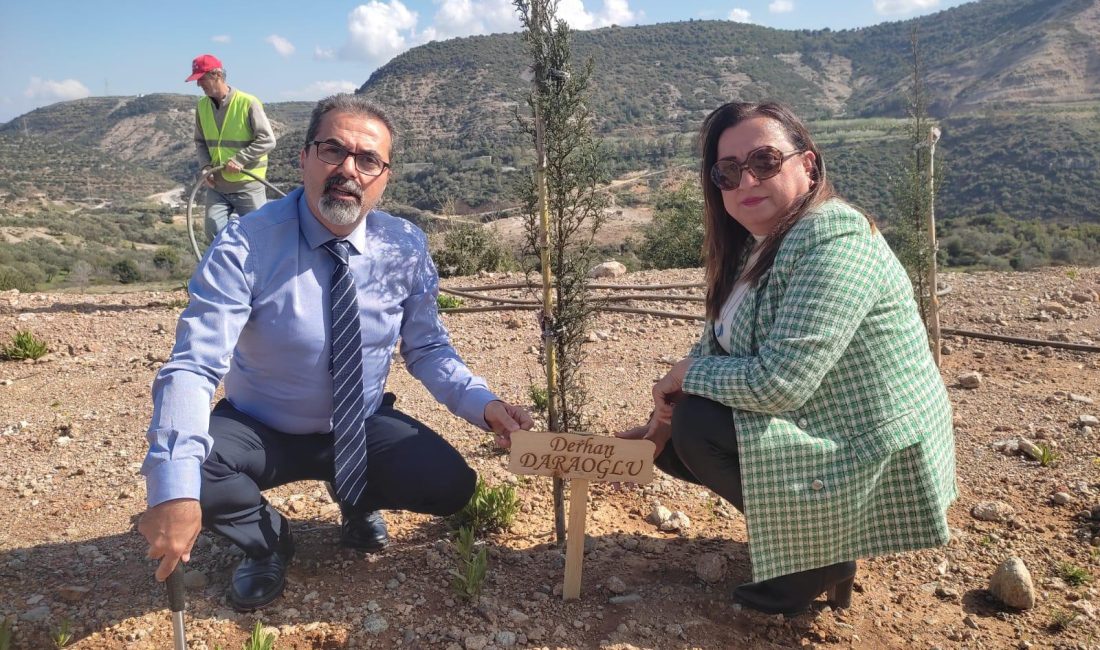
235,134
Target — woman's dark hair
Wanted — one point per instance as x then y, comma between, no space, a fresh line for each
727,242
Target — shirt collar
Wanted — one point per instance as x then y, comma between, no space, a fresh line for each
317,234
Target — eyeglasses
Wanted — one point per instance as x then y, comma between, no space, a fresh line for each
762,162
333,154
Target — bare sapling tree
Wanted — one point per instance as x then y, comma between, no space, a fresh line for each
914,193
563,212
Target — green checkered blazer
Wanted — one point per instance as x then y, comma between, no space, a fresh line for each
842,420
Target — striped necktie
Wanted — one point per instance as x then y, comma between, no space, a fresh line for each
348,414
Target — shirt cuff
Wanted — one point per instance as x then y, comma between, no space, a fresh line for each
173,479
473,407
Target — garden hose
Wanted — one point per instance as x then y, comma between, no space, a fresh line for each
201,182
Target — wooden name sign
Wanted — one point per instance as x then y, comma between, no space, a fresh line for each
575,456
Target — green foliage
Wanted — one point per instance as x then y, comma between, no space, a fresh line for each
674,239
489,509
447,301
468,249
1073,575
538,397
468,579
24,345
6,634
63,635
1061,619
998,242
126,271
1047,456
12,278
259,640
166,258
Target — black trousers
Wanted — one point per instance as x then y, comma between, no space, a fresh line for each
703,448
409,467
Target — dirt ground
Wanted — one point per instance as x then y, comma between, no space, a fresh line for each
71,444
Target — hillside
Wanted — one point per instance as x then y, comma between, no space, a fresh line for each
71,443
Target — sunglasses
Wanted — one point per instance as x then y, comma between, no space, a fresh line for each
762,162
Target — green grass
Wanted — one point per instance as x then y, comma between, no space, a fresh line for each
24,345
259,640
1047,456
539,398
1061,619
1074,575
63,635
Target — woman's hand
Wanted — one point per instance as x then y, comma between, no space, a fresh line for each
668,390
659,434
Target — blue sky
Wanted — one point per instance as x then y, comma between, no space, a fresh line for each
283,50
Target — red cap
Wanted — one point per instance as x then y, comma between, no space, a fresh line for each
202,64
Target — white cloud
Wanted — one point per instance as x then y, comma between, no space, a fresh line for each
740,16
221,38
284,47
53,91
324,53
894,7
379,31
319,89
781,6
615,12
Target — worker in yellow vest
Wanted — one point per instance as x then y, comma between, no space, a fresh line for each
231,129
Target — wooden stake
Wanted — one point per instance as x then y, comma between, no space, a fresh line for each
574,544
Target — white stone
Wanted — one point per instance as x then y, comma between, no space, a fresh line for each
1011,584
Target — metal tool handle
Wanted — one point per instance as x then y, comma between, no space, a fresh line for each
177,603
176,600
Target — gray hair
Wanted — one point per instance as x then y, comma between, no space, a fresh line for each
354,104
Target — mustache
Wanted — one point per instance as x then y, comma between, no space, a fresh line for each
344,185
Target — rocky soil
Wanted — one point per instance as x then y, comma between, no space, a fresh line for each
71,443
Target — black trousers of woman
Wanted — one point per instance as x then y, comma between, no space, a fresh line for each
703,450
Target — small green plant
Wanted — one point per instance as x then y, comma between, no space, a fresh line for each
469,577
181,301
1060,620
259,640
62,635
987,541
1071,274
489,509
1073,575
538,397
24,345
446,301
1047,456
5,634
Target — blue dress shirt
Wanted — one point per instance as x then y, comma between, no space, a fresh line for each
259,317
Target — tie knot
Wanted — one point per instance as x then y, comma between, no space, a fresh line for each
338,248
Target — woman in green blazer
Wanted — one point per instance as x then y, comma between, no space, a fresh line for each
811,402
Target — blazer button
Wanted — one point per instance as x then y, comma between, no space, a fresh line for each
803,422
817,484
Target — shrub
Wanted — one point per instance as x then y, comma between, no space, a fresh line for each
126,271
166,258
468,249
445,301
15,279
472,567
489,509
539,398
24,345
674,240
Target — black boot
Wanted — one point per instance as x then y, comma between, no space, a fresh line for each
792,594
258,581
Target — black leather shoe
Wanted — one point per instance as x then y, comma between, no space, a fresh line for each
792,594
258,581
365,531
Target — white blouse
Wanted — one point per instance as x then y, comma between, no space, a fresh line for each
737,294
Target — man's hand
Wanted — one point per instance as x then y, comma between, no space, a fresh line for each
505,419
171,528
234,166
669,389
208,180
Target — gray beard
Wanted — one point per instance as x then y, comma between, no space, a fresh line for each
339,213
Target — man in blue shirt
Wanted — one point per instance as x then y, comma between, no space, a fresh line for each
260,316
